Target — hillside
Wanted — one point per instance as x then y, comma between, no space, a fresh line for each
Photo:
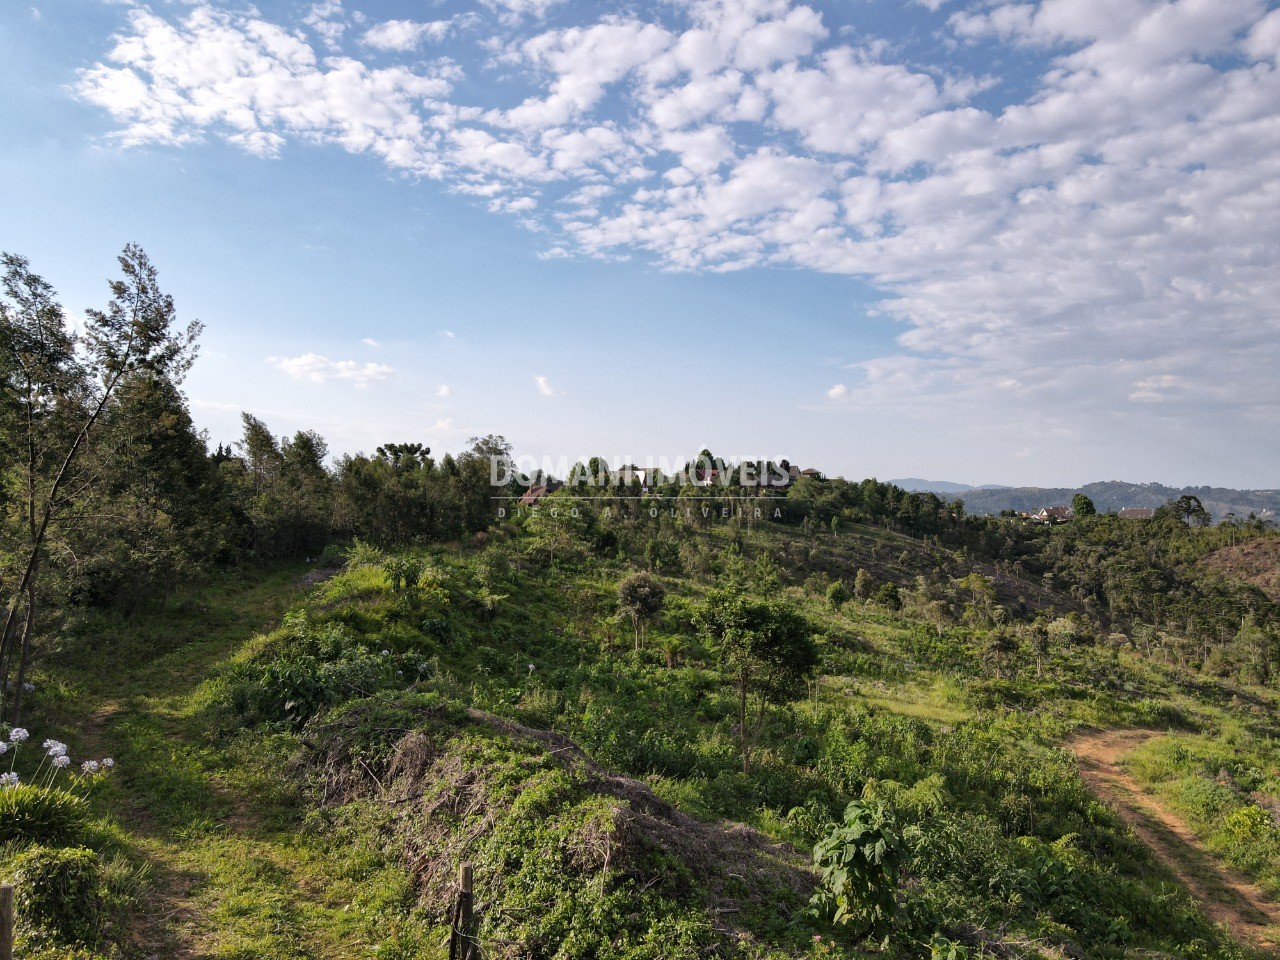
1255,562
1115,495
305,762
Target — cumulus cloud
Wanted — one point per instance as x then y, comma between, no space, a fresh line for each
838,392
545,388
405,35
1064,243
370,342
444,391
319,369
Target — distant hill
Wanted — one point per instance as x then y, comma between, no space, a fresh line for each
1114,495
941,487
916,485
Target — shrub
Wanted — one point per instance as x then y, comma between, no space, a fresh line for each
838,594
859,860
888,597
30,814
62,892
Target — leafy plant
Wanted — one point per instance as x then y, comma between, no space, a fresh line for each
62,891
30,813
860,859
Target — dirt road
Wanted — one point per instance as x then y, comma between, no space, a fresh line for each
1224,895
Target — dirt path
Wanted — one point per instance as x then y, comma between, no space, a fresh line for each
1225,896
170,792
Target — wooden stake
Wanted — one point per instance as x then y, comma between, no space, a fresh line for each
6,921
466,903
462,944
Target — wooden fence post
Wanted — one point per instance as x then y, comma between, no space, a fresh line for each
462,943
466,914
6,921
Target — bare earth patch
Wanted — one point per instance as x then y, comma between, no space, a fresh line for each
1255,561
1224,895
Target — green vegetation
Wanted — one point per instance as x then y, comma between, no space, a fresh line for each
1226,784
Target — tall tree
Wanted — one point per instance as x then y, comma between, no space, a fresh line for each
62,395
1082,506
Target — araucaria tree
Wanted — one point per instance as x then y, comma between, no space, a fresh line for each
59,395
766,646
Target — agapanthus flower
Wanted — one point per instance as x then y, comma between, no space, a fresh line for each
4,748
89,766
108,763
61,761
18,734
8,779
55,748
28,687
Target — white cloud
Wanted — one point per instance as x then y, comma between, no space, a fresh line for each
838,392
512,11
850,102
545,388
444,391
1154,389
405,35
257,84
583,62
512,204
1062,245
370,342
774,41
325,19
319,369
448,334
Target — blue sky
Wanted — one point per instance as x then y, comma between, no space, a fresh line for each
987,241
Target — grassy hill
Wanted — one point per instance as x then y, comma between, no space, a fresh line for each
304,762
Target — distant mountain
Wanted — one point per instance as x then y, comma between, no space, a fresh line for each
1115,495
941,487
916,485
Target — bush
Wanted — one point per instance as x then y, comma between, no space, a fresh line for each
62,892
859,860
30,814
838,594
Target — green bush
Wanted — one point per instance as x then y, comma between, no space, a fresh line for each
61,891
859,860
30,814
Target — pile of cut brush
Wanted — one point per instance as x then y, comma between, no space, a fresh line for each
570,859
